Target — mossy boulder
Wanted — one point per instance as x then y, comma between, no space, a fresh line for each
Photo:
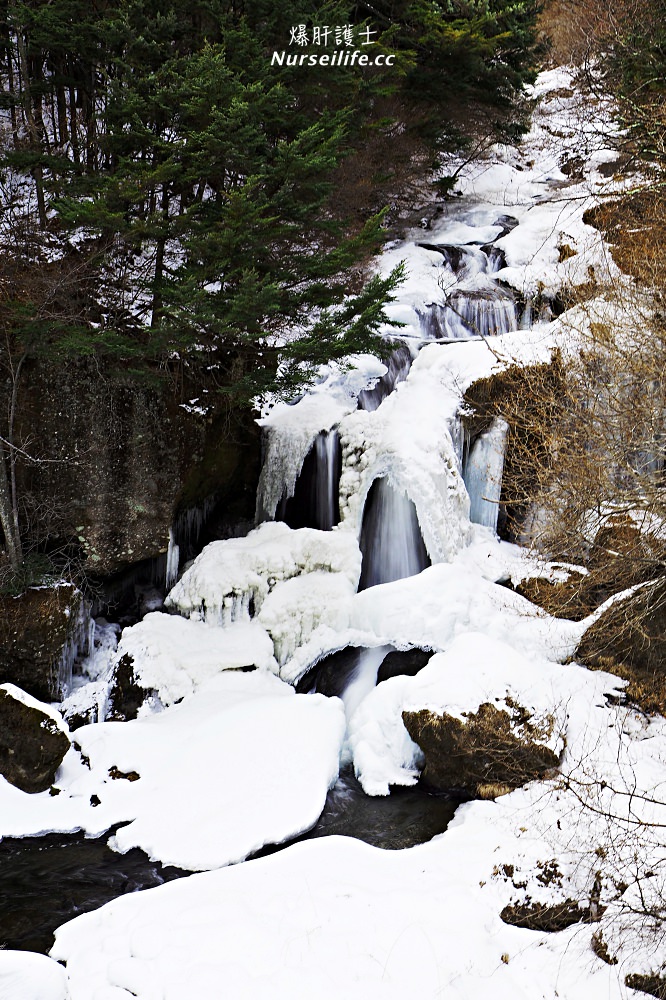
33,741
35,628
486,753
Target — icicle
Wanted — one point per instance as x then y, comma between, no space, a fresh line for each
391,541
77,644
460,440
483,474
172,561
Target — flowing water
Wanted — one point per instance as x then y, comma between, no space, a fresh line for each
315,503
45,881
391,541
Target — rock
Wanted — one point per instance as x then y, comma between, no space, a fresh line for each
653,985
629,639
40,634
508,224
552,918
488,754
126,696
403,662
560,598
453,255
622,556
33,741
129,458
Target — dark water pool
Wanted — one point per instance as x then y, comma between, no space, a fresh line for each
45,881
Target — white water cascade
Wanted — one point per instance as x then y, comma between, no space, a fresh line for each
398,365
490,312
483,474
315,502
364,678
391,541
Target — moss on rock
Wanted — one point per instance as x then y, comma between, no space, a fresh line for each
490,748
32,745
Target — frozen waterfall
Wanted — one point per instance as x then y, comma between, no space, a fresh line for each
483,474
315,502
490,312
391,541
399,364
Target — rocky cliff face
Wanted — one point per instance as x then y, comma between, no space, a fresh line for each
129,456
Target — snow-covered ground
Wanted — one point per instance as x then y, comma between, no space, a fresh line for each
229,760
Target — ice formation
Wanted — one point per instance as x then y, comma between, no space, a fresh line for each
174,656
483,474
232,578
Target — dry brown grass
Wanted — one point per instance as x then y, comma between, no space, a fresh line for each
635,229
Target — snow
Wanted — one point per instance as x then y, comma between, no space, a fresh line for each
174,656
26,976
242,761
334,918
431,609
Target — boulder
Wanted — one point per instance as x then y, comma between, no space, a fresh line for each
130,458
126,696
551,917
487,753
41,632
629,639
33,740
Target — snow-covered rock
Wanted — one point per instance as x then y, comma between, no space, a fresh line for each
232,577
33,740
173,656
27,976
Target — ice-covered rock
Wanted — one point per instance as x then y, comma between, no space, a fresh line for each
173,656
296,607
231,579
290,430
474,671
408,440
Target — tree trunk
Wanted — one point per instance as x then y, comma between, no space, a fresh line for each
12,541
24,73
